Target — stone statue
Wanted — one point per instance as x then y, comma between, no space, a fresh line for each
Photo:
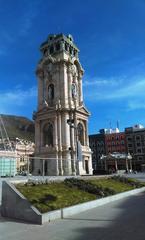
49,92
74,90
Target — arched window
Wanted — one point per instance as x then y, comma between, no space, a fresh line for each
66,47
70,50
48,135
45,52
51,49
58,46
81,133
51,92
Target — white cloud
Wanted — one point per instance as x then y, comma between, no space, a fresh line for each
134,89
136,105
117,90
17,98
101,82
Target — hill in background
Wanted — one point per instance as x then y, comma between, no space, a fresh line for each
18,127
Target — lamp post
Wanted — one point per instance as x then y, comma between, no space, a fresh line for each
104,157
26,159
130,161
70,122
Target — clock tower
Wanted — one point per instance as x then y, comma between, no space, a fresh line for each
61,120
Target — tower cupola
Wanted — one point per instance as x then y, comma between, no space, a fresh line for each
56,44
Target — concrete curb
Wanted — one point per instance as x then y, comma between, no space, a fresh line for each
69,211
15,205
66,212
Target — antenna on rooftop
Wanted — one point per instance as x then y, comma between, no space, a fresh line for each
118,124
110,124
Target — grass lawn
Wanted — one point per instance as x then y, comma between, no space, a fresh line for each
56,195
111,183
48,197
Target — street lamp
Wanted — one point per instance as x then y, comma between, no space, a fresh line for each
104,157
130,161
70,122
26,158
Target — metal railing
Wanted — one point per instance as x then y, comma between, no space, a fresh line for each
36,166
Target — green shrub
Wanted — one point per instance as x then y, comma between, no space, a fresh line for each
132,182
99,191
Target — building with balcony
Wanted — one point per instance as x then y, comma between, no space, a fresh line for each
24,151
97,145
135,138
106,142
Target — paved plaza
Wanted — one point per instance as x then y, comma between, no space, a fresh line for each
119,220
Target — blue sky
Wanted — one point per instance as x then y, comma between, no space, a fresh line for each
111,38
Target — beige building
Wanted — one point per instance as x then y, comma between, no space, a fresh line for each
24,151
61,120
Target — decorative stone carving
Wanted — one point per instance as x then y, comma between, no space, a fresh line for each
74,90
40,73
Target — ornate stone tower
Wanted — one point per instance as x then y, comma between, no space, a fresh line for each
61,132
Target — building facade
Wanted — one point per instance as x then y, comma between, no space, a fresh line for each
97,145
135,138
24,151
115,142
106,142
61,120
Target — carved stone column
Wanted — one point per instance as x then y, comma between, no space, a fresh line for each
86,133
69,75
60,165
40,76
56,144
66,144
65,89
80,88
37,134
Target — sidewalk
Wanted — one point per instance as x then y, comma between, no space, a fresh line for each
121,220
